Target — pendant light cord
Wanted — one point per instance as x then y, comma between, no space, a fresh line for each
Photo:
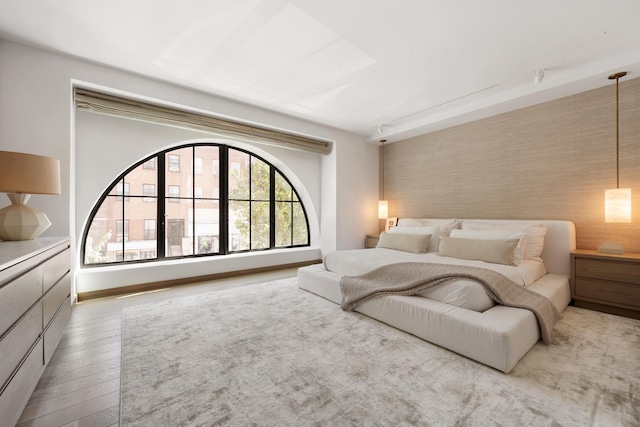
617,77
617,134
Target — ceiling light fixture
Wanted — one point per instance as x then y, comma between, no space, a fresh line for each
617,201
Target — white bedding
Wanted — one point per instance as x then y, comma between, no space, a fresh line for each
498,337
359,261
461,293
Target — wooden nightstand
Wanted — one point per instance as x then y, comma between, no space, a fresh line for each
608,283
371,241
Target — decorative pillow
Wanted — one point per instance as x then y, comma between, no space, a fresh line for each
431,231
415,243
518,254
444,228
534,235
495,251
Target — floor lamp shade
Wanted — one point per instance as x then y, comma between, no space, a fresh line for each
617,205
21,175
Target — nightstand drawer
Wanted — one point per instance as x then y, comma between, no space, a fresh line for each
608,270
623,294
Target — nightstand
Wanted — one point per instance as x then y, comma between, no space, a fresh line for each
371,241
605,282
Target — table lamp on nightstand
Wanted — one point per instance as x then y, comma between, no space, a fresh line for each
22,175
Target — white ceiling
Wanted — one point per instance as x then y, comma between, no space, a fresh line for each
410,65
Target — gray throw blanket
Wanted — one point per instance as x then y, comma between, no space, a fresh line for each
409,278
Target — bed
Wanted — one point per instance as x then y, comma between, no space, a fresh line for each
457,316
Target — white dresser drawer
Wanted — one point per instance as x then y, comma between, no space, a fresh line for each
15,345
18,296
54,331
17,392
53,299
54,268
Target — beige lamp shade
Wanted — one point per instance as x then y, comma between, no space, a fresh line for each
617,205
28,173
383,209
20,176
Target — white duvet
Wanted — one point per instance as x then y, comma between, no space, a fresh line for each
461,293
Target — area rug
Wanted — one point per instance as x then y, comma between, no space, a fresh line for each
275,355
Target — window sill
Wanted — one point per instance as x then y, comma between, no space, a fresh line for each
89,279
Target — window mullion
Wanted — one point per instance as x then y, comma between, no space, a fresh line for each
250,206
161,250
124,201
224,200
272,206
193,200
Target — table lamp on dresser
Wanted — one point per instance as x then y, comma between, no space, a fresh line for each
22,175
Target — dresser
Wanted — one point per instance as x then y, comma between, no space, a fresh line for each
605,282
35,285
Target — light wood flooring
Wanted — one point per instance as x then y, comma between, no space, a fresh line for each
81,384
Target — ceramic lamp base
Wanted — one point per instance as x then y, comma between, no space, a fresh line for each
21,222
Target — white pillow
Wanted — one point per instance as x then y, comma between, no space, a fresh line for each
434,232
518,254
534,234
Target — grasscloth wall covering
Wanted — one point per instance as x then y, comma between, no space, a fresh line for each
548,161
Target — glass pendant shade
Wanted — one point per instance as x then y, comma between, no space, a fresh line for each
617,205
383,209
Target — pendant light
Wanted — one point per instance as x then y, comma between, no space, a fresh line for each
383,205
617,201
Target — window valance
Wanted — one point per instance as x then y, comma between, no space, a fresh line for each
102,103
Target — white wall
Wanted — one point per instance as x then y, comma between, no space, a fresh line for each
36,116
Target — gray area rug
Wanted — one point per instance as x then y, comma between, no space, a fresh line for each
275,355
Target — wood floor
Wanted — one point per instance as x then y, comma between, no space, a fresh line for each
81,384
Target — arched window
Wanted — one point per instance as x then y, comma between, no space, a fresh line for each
194,200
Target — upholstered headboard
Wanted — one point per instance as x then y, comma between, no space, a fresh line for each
559,240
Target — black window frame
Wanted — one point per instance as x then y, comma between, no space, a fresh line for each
160,158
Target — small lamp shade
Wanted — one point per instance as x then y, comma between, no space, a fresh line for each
383,209
20,176
617,205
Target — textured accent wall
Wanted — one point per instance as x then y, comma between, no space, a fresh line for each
549,161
